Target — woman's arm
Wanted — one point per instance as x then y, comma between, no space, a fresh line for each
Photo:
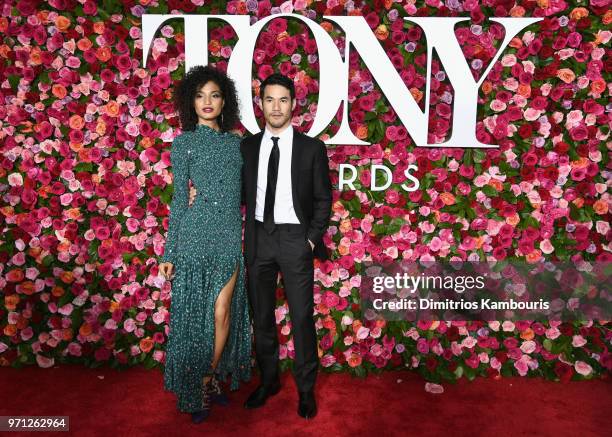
179,157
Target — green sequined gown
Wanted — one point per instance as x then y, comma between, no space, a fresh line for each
204,243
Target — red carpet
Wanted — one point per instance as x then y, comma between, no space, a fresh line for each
133,402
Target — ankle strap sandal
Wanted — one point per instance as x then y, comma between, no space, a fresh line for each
215,391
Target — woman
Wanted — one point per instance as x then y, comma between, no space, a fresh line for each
209,335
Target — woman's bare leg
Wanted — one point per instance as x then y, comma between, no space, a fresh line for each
222,320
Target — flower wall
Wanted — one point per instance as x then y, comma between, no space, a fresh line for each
86,180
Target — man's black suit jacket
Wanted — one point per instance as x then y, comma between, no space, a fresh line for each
310,185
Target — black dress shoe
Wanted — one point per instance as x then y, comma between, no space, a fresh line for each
261,394
307,407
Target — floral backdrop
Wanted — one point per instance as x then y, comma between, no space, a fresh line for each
86,179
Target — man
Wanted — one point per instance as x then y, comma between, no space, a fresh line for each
288,203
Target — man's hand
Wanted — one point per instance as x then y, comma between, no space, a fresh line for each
192,194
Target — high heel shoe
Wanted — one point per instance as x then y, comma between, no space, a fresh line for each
216,393
200,416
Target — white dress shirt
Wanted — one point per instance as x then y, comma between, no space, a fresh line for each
283,202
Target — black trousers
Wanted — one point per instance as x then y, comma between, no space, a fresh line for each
286,250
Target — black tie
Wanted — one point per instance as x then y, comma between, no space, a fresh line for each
271,187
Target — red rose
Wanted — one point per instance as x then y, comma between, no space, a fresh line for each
453,333
579,133
551,173
528,173
431,363
525,131
396,360
564,371
562,148
566,329
499,253
288,45
492,373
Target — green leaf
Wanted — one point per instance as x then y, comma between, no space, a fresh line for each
13,81
489,191
395,225
47,260
370,116
479,155
83,166
149,362
93,248
467,157
560,345
354,204
66,298
166,195
360,371
531,221
44,77
459,371
378,228
579,214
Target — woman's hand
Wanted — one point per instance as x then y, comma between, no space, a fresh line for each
192,194
166,270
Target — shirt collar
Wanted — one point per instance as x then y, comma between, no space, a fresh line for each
287,134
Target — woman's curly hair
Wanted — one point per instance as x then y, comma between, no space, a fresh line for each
187,88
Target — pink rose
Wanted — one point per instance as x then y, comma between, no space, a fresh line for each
392,196
583,368
74,349
521,367
44,362
331,299
422,346
578,174
129,325
433,388
528,346
328,360
578,341
574,39
435,244
362,332
553,333
546,247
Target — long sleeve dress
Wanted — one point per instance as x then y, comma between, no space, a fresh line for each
204,243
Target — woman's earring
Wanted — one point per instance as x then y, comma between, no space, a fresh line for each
221,117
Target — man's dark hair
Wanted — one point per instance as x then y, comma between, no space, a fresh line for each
277,79
187,89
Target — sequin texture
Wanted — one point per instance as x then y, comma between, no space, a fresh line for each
204,243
